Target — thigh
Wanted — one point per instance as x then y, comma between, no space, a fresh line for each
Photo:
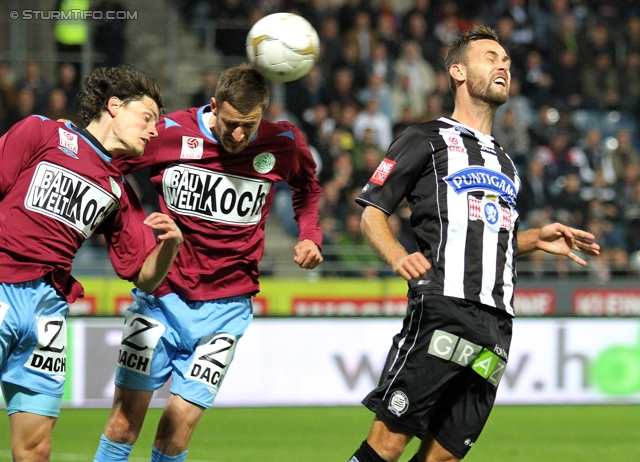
33,337
29,433
441,348
199,371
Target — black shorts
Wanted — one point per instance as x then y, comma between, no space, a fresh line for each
443,370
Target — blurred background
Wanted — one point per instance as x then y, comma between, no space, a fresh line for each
571,127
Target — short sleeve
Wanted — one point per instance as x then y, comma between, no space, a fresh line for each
406,161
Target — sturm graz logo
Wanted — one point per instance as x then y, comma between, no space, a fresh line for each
398,403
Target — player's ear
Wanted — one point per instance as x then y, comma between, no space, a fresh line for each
112,105
457,72
214,108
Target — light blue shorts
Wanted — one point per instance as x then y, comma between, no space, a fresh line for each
33,346
191,341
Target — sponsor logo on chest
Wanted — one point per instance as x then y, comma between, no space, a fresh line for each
214,196
68,143
478,178
69,198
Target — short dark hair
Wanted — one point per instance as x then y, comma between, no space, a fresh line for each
123,82
244,87
457,50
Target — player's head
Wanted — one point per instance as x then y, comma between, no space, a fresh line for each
242,97
477,60
127,101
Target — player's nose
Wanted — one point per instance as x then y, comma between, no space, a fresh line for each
238,134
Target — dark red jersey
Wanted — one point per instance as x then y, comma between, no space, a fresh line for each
221,200
57,188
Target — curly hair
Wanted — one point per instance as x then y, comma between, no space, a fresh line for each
123,82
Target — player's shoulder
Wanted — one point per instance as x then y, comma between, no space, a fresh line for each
281,133
178,118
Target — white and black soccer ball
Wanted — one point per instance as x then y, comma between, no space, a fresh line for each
284,46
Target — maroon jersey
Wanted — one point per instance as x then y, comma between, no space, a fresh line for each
221,201
57,187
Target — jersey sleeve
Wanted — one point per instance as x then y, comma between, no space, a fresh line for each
17,148
398,172
305,191
129,241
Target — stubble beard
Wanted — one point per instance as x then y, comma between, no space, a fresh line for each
482,90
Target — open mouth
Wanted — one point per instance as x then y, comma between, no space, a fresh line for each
501,81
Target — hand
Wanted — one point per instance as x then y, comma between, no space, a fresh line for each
412,266
167,228
308,254
562,240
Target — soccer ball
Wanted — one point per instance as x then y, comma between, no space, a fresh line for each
284,46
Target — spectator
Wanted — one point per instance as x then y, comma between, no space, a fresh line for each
34,81
349,59
207,90
570,38
387,34
597,155
417,31
404,97
57,108
512,134
569,205
25,106
434,108
406,119
342,89
109,34
381,91
371,117
380,63
629,77
330,45
519,103
625,155
307,92
356,256
422,78
600,83
67,81
533,197
537,81
362,36
523,29
360,150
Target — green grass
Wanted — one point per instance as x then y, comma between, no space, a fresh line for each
513,434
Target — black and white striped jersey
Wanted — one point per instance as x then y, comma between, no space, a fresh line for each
461,188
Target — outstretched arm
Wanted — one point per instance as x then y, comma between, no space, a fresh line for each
157,264
558,239
378,233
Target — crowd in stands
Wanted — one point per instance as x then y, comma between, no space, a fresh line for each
570,124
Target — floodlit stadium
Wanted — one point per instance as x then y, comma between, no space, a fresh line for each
319,338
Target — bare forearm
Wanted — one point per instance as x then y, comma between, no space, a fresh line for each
156,266
377,232
527,241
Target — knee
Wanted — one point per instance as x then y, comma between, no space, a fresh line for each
35,452
120,430
389,448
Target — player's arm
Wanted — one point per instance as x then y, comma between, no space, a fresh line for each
157,264
305,195
17,148
376,230
558,239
